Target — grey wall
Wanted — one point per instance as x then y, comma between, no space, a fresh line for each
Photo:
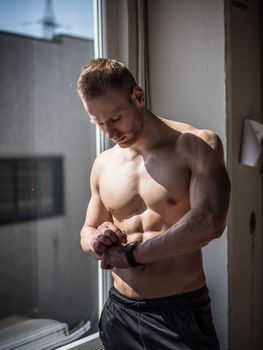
44,270
187,82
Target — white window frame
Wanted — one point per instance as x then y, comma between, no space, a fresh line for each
104,277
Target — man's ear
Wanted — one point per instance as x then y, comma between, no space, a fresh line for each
138,96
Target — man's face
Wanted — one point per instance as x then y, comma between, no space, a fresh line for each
118,115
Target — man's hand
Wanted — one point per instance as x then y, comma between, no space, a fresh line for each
114,257
107,235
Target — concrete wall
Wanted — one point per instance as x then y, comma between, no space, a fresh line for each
187,82
43,269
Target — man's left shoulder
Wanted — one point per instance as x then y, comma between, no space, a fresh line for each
202,149
196,139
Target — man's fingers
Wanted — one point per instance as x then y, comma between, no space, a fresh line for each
105,239
105,265
114,257
123,238
113,236
121,235
112,232
98,247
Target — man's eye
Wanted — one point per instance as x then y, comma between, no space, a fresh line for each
115,119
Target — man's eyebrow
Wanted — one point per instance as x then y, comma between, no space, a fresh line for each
118,109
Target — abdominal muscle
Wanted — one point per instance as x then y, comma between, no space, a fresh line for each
178,275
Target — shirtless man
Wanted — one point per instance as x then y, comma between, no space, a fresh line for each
158,196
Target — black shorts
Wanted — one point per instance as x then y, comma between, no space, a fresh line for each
182,321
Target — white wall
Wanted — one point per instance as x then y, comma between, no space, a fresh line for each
187,82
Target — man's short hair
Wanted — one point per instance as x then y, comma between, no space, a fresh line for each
101,75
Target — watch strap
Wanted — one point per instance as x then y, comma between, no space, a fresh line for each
128,251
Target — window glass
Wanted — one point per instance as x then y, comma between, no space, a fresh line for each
47,147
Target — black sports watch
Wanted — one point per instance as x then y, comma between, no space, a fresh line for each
128,251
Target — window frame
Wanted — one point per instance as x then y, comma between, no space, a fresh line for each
102,144
104,277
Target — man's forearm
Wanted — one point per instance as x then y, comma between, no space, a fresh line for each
188,235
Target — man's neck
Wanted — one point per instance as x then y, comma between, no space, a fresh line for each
154,132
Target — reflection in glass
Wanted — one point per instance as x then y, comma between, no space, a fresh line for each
32,187
44,273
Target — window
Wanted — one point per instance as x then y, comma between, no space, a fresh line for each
47,148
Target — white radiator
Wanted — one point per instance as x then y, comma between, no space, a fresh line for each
40,334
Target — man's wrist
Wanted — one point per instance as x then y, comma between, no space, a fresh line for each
129,254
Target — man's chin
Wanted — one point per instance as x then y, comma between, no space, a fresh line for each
123,144
126,143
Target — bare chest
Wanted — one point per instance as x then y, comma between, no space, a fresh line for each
137,186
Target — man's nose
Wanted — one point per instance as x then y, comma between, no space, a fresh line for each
109,131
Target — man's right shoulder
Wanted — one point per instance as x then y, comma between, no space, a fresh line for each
103,158
101,161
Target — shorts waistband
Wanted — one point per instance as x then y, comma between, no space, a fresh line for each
192,299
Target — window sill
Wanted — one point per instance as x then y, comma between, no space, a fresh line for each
91,342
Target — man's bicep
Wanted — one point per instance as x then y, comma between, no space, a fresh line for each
209,199
209,178
96,212
210,185
210,188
